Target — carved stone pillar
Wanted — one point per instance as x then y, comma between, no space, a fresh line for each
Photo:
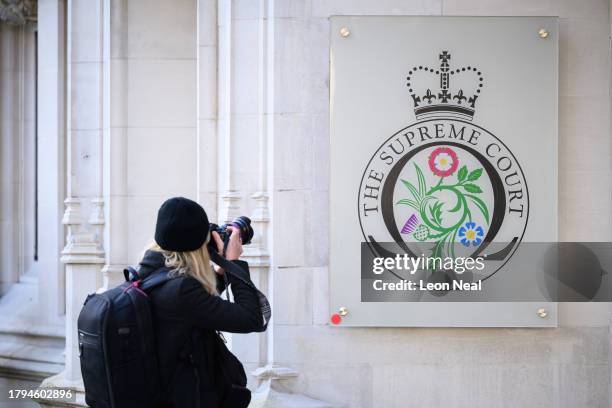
83,255
207,98
9,154
246,107
16,140
258,258
229,206
114,166
51,165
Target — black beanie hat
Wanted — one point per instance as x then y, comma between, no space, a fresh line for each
182,225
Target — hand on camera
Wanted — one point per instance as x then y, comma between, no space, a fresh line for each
233,250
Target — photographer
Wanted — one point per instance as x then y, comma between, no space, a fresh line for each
187,310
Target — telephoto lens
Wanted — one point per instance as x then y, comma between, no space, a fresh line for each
242,223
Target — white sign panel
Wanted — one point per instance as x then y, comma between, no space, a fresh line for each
443,147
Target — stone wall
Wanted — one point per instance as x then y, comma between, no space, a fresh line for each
564,367
244,120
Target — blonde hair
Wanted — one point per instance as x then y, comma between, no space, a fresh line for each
191,263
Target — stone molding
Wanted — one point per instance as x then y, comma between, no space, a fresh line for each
81,247
18,12
271,392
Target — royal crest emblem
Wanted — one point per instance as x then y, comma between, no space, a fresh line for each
444,186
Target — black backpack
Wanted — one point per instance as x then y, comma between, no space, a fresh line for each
118,353
117,345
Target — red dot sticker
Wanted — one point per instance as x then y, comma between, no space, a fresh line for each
336,318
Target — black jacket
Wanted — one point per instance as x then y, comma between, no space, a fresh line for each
185,317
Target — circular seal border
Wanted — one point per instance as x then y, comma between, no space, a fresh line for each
516,246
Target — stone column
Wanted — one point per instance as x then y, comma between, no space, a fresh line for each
229,207
51,165
83,254
207,61
246,135
256,254
16,140
9,138
115,187
83,258
87,28
27,165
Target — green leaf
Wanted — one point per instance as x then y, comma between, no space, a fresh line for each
481,206
475,175
436,251
463,171
422,185
438,214
408,202
424,202
457,206
412,189
472,188
435,212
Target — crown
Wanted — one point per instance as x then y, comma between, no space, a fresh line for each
433,95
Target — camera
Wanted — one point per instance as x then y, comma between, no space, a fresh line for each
242,223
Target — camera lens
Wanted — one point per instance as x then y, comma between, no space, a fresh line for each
243,223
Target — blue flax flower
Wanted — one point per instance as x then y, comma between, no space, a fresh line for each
470,233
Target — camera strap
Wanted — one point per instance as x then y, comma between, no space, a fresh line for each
223,255
238,273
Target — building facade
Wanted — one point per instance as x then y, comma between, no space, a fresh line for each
108,107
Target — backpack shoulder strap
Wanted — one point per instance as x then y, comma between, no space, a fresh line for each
157,278
130,274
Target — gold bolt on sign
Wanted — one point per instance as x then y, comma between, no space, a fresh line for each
542,313
543,33
343,311
345,32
